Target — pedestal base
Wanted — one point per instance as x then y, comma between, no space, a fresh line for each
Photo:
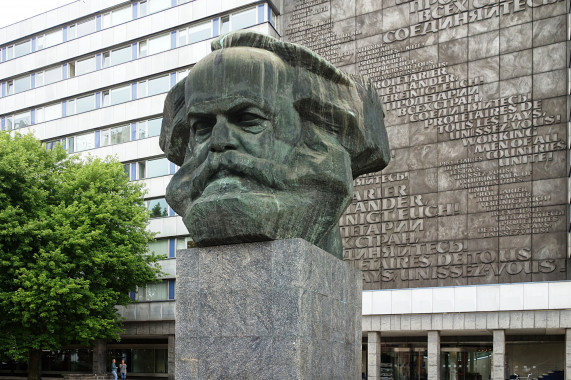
271,310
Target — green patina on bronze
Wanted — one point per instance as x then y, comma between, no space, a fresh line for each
269,137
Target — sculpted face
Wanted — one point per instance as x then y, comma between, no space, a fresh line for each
253,169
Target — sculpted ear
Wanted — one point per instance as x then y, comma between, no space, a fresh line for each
174,129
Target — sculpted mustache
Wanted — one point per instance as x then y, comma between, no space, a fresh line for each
263,171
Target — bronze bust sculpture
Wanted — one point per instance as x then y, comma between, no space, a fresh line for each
269,137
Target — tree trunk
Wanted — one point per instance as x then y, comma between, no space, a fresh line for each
34,365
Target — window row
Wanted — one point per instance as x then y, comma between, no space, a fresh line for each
109,136
86,26
85,65
85,103
237,20
142,48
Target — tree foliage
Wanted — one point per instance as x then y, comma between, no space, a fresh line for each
73,243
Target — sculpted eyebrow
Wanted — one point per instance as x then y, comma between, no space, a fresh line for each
207,108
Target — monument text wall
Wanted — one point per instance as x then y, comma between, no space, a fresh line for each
475,94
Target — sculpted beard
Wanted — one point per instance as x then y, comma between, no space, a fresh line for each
189,183
253,194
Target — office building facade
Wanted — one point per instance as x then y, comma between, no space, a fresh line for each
463,239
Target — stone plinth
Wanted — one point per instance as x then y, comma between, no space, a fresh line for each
271,310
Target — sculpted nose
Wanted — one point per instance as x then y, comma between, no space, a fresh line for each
222,138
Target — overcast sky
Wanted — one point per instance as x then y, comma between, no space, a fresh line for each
12,11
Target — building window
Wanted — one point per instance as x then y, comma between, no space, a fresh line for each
10,52
22,83
142,360
81,28
158,44
85,66
153,168
224,24
52,144
195,33
50,39
49,112
158,207
154,292
157,5
51,75
159,247
149,128
85,104
182,243
116,17
117,95
158,85
153,86
244,19
68,360
466,361
403,359
22,120
273,19
142,8
142,49
117,56
536,356
84,142
116,135
22,48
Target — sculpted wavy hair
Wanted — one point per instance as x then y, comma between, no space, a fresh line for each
346,105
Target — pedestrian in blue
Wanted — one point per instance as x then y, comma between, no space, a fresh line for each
123,370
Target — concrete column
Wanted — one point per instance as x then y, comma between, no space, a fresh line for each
374,355
434,355
171,357
568,354
100,357
454,366
499,355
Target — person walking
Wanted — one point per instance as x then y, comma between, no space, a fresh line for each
114,370
123,370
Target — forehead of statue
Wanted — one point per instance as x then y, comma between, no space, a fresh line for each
256,75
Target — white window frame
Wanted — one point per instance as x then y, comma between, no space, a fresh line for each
10,52
10,87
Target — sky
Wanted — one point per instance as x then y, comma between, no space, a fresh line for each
13,11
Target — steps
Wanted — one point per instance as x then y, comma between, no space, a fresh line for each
87,376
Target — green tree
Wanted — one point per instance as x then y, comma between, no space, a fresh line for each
73,243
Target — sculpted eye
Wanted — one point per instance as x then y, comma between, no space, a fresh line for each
202,127
251,120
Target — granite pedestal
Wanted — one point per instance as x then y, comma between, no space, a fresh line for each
271,310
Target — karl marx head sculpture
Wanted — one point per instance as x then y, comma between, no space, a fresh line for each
269,137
